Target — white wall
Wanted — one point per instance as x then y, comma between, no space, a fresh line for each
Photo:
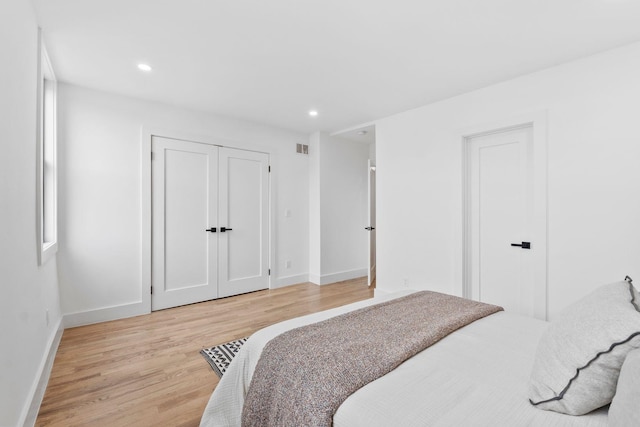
99,184
315,232
372,152
27,289
593,180
338,212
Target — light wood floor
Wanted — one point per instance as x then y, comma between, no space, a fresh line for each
147,370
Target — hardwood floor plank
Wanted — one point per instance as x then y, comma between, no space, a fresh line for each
147,370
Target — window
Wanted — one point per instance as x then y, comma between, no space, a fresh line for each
47,227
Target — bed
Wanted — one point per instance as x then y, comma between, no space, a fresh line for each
476,376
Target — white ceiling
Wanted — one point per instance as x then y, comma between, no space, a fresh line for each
353,60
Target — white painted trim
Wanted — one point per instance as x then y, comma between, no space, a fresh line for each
273,271
205,139
281,282
46,250
380,292
145,219
538,121
315,279
36,393
326,279
82,318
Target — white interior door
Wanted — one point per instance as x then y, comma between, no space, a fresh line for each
501,202
244,221
372,222
184,205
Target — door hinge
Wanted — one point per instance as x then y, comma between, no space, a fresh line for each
269,168
151,290
269,272
152,155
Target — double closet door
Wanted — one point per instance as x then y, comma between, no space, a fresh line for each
210,222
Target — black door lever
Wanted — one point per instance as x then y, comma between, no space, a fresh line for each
523,245
212,229
369,228
223,229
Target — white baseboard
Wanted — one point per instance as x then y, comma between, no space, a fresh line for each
31,409
326,279
104,314
89,317
281,282
379,292
315,279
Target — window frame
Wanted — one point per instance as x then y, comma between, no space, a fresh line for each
46,155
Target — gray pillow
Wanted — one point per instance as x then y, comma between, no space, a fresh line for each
625,407
578,359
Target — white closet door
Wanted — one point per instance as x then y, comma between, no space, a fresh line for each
502,228
184,205
244,222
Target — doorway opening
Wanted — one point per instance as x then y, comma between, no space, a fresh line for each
366,134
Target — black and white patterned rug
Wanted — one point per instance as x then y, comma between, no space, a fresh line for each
219,356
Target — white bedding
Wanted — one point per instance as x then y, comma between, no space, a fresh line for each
476,376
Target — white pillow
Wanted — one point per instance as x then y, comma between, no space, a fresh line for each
625,407
579,357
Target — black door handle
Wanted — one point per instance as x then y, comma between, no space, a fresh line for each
369,228
523,245
212,229
223,229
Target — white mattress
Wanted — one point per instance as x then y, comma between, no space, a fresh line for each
476,376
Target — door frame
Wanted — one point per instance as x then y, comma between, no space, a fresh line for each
538,123
147,133
371,207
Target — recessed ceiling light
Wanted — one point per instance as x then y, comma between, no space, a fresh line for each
144,67
313,113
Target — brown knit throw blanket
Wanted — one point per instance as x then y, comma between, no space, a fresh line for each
304,374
